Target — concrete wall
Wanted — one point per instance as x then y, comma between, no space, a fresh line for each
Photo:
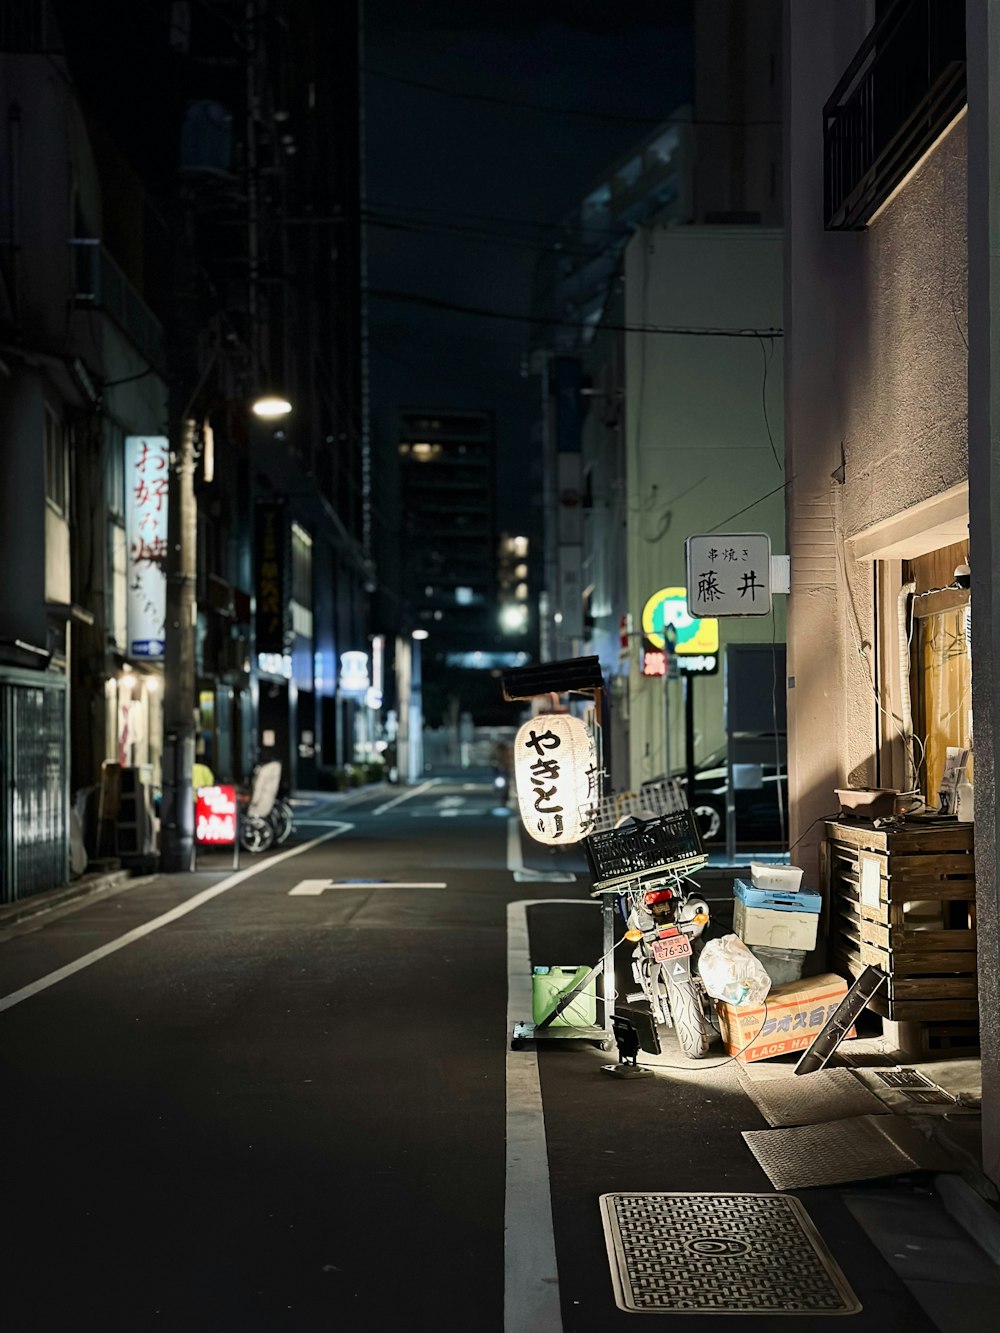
697,442
983,37
875,408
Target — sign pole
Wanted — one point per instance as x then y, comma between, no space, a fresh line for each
666,718
689,763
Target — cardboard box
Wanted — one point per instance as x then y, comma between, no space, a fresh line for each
788,1020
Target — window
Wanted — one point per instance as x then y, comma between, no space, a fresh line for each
56,481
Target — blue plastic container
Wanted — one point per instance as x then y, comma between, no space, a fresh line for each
775,900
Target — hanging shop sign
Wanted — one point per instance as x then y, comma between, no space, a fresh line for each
375,693
271,575
215,816
671,632
555,769
147,484
729,574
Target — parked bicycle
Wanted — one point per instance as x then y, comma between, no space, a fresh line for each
266,818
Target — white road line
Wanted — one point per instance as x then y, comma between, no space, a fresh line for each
515,861
405,796
175,913
311,888
531,1279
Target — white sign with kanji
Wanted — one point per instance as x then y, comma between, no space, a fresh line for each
729,574
147,482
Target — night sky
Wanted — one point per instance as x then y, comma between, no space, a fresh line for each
468,175
465,184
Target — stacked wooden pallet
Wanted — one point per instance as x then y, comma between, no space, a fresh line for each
905,901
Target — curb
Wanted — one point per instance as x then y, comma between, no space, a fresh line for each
12,914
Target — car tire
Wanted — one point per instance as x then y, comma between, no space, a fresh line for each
711,821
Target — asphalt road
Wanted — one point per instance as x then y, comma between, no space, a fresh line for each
285,1099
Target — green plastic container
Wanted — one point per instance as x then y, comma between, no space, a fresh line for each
548,984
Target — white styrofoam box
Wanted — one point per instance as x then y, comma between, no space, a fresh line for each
786,879
774,929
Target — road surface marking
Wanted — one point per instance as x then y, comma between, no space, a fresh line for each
531,1279
310,888
405,796
515,861
175,913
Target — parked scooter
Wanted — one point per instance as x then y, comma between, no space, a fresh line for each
667,924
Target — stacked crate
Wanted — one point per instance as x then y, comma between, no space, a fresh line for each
905,901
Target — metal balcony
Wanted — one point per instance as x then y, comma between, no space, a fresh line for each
900,92
99,284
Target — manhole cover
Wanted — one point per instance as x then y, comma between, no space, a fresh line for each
720,1254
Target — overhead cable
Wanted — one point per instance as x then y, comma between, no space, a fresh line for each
563,110
454,307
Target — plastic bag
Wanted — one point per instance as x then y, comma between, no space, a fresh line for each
730,972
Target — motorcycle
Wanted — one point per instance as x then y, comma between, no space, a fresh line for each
667,923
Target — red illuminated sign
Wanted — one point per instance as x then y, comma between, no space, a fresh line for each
215,816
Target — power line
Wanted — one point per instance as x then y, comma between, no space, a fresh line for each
486,217
481,236
562,110
435,303
753,504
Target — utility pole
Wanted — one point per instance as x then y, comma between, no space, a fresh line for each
177,812
177,808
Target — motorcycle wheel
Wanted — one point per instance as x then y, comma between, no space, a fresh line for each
256,835
281,820
688,1016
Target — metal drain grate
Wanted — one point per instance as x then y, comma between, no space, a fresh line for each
720,1254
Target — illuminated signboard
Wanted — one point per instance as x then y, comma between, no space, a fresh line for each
147,482
658,662
215,816
354,678
555,769
695,643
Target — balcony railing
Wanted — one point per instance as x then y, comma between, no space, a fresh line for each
900,92
99,284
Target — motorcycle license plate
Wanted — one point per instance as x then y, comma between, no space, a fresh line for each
678,946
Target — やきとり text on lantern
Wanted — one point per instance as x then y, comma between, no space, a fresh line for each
555,768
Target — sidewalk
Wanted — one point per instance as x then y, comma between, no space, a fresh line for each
111,879
936,1230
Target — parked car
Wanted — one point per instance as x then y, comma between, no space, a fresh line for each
758,818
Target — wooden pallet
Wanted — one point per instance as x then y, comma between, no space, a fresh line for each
873,876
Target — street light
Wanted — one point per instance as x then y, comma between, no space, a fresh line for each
269,406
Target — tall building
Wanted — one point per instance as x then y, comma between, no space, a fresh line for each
179,236
447,463
662,391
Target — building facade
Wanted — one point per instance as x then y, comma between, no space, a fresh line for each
890,302
165,260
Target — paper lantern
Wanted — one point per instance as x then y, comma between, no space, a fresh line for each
555,769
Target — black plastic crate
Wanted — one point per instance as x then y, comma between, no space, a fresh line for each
643,847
